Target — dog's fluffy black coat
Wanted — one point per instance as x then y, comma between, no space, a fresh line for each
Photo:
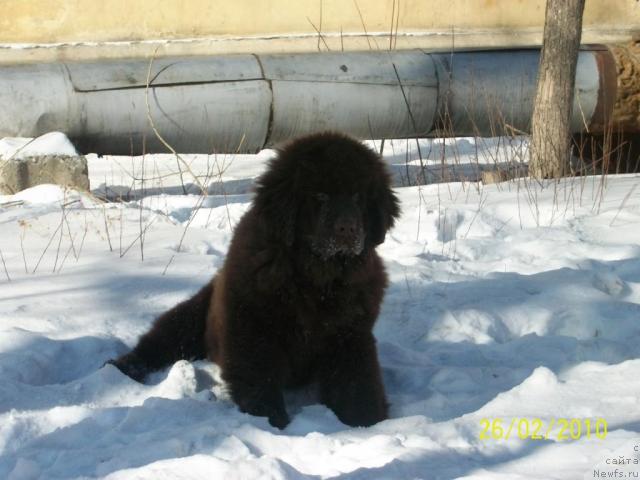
299,293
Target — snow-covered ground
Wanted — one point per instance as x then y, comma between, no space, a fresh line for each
517,302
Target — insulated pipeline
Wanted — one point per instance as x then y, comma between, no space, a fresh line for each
243,103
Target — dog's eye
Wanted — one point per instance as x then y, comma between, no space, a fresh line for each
321,197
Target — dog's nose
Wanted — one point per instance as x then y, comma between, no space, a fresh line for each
345,226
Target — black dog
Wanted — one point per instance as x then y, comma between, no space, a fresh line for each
300,291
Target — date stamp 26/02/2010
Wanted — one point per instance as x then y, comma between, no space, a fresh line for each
558,429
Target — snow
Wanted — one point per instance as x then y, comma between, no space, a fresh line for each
511,301
52,143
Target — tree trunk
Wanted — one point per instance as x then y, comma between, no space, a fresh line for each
551,121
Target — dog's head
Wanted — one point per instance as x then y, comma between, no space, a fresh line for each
328,193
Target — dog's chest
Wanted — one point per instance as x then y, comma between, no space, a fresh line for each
322,312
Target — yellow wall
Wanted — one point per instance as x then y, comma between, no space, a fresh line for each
216,24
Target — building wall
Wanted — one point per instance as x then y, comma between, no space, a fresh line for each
223,26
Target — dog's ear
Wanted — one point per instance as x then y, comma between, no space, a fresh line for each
276,201
382,209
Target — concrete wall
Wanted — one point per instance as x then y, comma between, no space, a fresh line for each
223,26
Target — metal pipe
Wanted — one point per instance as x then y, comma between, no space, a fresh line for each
248,102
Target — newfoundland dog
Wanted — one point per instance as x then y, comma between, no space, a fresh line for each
299,293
